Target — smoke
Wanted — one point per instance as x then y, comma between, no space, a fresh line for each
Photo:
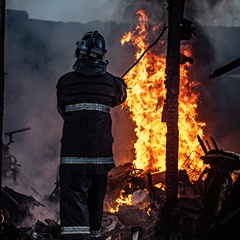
208,13
71,11
85,11
218,13
214,46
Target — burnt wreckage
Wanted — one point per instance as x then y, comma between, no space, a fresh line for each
18,208
10,167
206,208
213,214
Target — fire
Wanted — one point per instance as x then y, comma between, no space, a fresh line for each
121,201
146,95
189,127
145,102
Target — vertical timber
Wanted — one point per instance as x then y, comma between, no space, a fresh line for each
2,76
172,86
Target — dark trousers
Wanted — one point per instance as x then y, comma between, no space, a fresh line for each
81,204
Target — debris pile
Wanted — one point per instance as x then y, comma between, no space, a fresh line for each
136,206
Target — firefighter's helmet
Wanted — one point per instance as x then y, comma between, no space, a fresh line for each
91,47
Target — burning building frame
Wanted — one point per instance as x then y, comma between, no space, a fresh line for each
194,195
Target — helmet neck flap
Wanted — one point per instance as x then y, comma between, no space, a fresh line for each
90,68
90,53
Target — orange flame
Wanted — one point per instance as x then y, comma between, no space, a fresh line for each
145,102
121,201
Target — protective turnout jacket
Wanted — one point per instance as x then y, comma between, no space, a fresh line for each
84,102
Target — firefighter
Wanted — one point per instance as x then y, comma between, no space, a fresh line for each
84,99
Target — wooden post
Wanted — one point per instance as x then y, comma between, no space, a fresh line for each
172,85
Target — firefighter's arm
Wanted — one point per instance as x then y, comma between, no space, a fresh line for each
122,91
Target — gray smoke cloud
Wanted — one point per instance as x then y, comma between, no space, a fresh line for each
82,11
211,13
219,24
218,13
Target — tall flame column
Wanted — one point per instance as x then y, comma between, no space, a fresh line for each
171,104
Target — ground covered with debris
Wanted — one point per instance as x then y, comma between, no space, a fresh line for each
137,208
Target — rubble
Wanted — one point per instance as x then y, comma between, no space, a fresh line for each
136,206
